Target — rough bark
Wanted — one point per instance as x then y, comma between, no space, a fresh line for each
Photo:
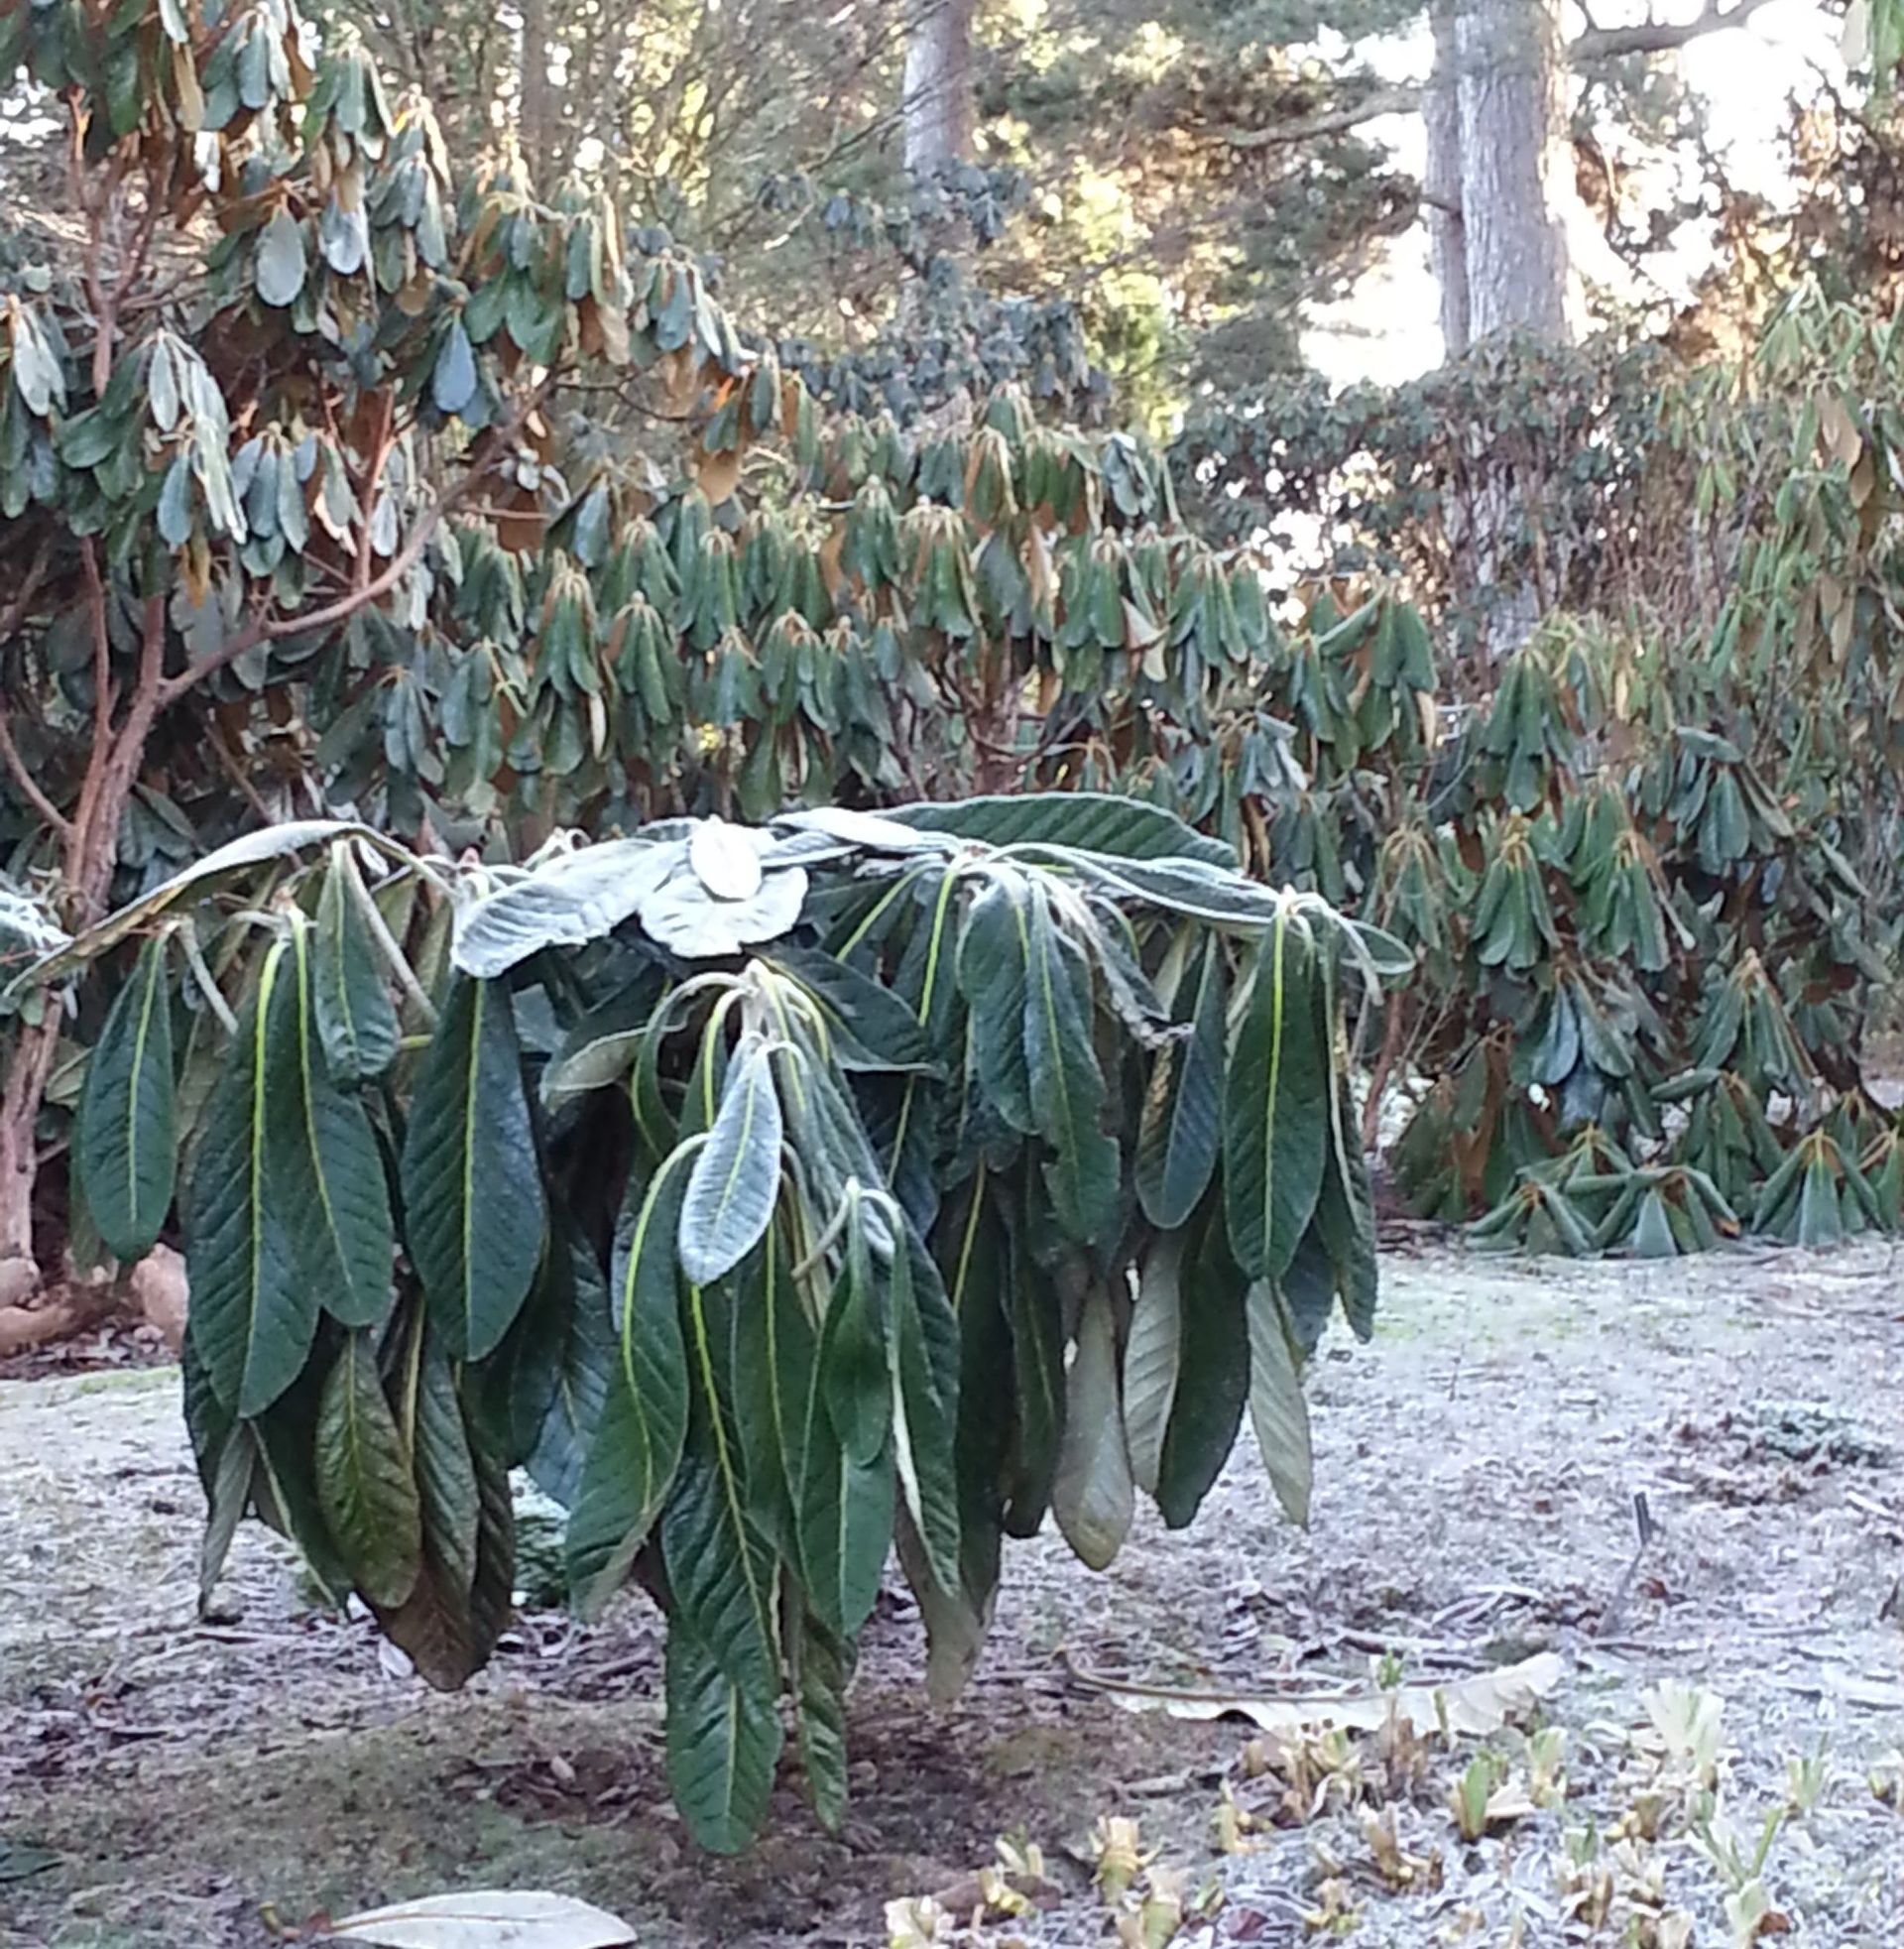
28,1065
1441,182
1513,127
536,108
938,85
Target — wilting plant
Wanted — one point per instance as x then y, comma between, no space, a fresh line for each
773,1196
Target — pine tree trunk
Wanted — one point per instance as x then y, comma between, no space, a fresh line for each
1512,117
938,85
1441,182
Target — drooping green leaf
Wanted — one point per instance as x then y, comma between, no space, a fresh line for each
322,1167
1344,1216
1213,1373
721,1569
851,1365
821,1670
993,967
1091,1493
252,1318
924,1420
365,1487
1036,1321
492,1593
1277,1409
227,1497
196,881
356,1021
1067,1086
773,1352
436,1625
474,1207
724,1742
1181,1131
736,1175
560,1376
867,1025
845,1524
1091,822
1345,1205
1153,1359
975,1256
1276,1115
638,1439
125,1142
284,1486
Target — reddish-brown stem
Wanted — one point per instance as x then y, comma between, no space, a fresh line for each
11,619
1391,1036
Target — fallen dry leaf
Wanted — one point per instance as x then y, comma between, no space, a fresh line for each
487,1918
1472,1706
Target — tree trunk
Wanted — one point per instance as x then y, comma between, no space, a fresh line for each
535,110
1441,182
89,847
28,1068
1513,116
938,85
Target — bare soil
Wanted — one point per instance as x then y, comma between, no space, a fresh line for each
166,1781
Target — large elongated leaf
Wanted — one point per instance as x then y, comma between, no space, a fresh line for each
566,903
1345,1207
1199,891
126,1142
1276,1115
473,1202
1213,1373
252,1318
736,1175
1036,1321
199,879
1153,1359
844,1526
437,1623
364,1483
1181,1131
992,964
774,1352
355,1018
561,1372
324,1169
851,1367
1091,822
720,1568
602,1047
867,1025
723,1744
1277,1409
492,1593
926,1405
928,979
822,1667
1067,1086
638,1441
976,1256
1091,1495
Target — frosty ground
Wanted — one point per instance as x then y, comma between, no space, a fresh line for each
166,1781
